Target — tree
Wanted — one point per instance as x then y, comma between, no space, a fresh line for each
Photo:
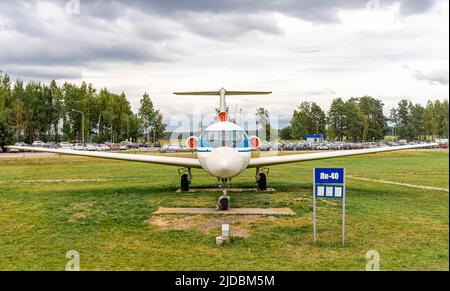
336,119
6,132
5,91
417,113
285,133
436,118
373,118
353,121
158,126
147,114
309,118
404,127
56,109
443,119
393,118
18,118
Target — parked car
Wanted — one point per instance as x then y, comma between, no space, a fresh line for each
66,145
90,147
38,144
265,146
78,147
18,144
124,145
113,146
102,147
51,145
170,148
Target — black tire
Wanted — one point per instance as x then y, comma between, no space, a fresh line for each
184,183
224,204
262,182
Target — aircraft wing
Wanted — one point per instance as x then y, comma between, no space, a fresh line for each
172,161
277,160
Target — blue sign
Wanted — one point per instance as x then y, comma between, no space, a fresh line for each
329,175
329,183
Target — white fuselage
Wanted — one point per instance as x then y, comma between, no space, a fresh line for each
224,150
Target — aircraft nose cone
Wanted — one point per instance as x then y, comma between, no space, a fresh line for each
224,162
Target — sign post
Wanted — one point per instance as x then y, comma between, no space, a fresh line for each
329,183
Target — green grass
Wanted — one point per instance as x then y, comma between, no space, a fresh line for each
107,222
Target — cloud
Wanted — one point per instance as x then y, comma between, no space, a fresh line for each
436,77
41,33
311,10
42,73
305,50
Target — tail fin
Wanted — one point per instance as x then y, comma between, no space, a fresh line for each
222,93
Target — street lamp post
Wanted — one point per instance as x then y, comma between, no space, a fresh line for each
82,123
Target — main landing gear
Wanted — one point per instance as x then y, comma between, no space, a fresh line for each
186,178
261,178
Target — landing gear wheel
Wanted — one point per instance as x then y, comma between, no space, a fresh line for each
262,182
184,183
224,203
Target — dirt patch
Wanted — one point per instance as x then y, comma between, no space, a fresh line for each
80,211
239,225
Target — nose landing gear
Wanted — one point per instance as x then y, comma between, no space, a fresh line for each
224,200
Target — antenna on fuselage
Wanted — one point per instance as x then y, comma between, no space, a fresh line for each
223,93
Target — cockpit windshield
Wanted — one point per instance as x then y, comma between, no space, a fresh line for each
232,138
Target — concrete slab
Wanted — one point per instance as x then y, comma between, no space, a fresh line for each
231,211
231,190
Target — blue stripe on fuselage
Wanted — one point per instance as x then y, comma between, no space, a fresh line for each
208,150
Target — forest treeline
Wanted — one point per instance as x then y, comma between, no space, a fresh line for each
50,112
362,119
36,111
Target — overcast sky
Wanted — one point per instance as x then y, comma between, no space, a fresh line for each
301,50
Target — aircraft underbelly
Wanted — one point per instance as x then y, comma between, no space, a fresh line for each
224,162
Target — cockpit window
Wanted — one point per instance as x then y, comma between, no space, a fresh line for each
232,138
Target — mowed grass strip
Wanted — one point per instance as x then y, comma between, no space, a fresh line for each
110,223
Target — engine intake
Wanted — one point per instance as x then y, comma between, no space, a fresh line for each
255,142
192,143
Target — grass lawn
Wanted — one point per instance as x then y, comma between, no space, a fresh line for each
110,223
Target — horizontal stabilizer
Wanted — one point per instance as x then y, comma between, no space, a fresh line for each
222,93
217,93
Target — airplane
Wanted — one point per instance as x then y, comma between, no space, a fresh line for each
224,150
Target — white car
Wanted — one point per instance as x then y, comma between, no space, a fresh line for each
66,146
90,147
124,145
79,147
38,144
170,148
102,147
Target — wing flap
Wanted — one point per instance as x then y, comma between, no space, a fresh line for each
277,160
171,161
